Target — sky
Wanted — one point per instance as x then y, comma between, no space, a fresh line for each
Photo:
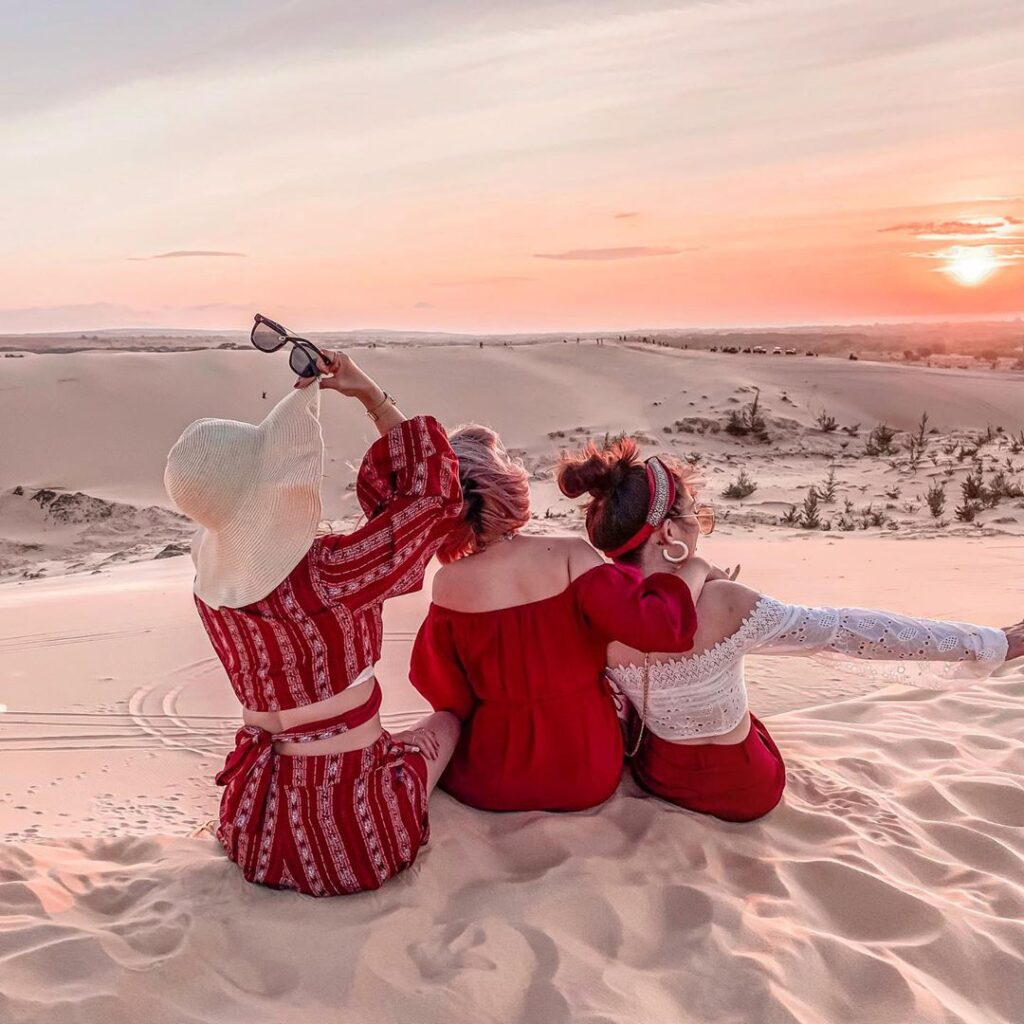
533,165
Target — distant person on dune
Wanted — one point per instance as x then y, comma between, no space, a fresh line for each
318,796
698,744
515,639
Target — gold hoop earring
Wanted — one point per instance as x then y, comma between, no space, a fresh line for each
676,559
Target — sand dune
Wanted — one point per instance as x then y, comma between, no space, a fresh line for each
886,888
101,423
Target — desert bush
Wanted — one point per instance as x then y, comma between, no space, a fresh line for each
966,512
810,514
748,421
741,487
892,493
918,441
853,429
791,517
846,524
826,423
880,440
1001,486
827,490
973,487
870,516
1017,443
694,458
935,496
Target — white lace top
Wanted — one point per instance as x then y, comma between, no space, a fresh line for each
705,694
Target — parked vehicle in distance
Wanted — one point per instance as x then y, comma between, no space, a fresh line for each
776,351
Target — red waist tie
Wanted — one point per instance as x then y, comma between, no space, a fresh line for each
254,748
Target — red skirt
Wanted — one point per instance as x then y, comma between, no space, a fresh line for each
323,824
734,782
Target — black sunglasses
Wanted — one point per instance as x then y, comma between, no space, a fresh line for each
268,336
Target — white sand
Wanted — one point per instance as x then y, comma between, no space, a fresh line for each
889,886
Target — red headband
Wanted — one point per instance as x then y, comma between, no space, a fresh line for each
661,485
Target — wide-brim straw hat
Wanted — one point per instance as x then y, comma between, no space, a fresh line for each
255,493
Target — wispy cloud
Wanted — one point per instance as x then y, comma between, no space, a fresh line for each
620,252
423,305
181,254
966,228
627,215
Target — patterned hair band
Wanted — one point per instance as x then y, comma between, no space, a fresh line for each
661,486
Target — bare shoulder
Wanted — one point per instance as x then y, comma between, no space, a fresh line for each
727,603
580,556
448,581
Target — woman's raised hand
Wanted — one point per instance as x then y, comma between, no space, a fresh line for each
339,373
1015,641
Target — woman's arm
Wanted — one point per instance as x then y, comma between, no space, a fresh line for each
407,486
341,374
901,648
436,670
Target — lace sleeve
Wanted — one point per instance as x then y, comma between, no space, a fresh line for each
886,646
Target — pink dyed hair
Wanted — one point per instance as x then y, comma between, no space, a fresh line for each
495,492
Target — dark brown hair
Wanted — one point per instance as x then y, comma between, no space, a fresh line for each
615,477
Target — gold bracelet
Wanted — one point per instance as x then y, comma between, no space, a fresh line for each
372,413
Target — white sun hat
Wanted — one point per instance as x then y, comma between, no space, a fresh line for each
255,493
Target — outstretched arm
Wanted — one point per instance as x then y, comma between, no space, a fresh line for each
909,649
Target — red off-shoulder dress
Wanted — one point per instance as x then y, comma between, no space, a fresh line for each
540,727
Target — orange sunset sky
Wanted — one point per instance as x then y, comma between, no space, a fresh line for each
528,165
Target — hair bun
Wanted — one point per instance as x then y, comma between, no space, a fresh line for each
597,471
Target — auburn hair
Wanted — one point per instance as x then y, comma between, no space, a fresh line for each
615,477
495,492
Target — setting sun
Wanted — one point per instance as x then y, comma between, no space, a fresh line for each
970,265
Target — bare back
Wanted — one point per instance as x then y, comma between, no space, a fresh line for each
513,572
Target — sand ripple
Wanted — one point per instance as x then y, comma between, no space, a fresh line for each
889,886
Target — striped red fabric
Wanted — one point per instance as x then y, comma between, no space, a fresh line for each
326,824
334,823
318,629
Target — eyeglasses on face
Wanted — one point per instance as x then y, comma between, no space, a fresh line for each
705,516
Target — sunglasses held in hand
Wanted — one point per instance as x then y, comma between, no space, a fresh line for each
269,336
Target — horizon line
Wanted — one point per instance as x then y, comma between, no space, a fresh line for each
1003,318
